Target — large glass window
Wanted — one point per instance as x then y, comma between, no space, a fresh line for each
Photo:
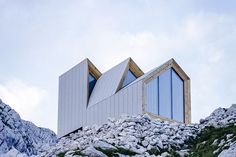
92,82
177,97
165,96
130,77
152,96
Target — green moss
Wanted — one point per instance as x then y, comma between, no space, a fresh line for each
113,152
174,154
125,151
154,151
108,152
202,145
62,154
78,152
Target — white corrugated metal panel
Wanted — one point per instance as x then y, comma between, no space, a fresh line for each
60,120
112,105
128,101
106,109
125,107
140,97
73,98
108,83
135,98
130,98
120,105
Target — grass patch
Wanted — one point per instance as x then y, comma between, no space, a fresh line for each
113,152
62,154
202,145
154,151
125,151
108,152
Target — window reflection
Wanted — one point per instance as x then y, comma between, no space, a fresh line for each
130,77
165,96
92,82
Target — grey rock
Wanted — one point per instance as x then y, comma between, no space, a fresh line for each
92,152
104,145
20,135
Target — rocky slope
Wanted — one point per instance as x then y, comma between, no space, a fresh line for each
127,136
17,135
142,136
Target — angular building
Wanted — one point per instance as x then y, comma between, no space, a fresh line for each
87,97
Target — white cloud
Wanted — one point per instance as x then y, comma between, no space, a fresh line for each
21,96
198,41
201,41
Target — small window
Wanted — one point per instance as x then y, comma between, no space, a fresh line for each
92,82
130,77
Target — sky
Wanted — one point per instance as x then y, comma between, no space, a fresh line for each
40,40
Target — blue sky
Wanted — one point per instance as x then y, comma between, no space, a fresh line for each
39,40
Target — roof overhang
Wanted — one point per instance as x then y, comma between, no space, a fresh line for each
167,65
93,70
134,68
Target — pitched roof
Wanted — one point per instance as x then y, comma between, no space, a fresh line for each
169,64
108,83
111,81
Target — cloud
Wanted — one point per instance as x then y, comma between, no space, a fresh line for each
199,42
21,96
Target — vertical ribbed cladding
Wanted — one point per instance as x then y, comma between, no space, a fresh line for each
72,98
128,101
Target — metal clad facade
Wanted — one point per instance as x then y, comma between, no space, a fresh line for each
76,109
127,101
72,99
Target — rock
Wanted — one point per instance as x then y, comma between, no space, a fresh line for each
20,135
145,143
104,145
13,153
165,154
215,142
228,136
142,134
159,144
229,152
92,152
183,153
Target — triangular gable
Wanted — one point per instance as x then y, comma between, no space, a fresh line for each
93,75
93,70
132,72
164,67
108,83
111,81
167,65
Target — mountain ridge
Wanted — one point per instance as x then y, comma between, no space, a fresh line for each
20,134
